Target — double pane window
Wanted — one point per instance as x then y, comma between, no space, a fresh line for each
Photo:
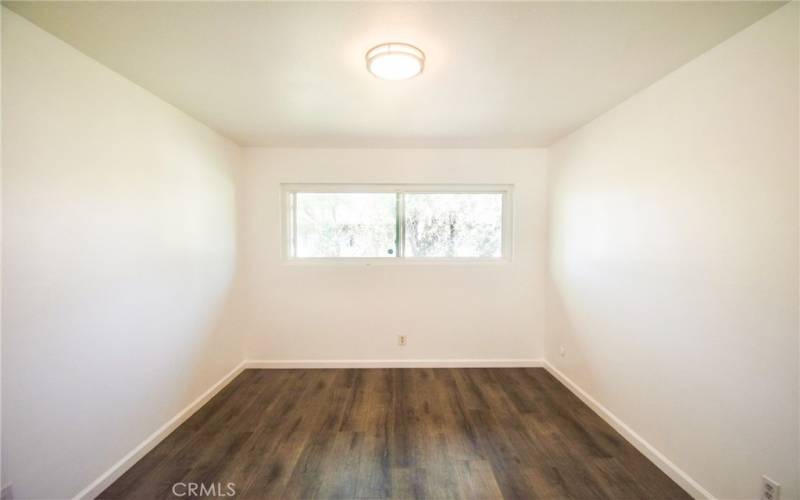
397,222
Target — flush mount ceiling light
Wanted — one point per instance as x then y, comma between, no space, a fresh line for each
395,61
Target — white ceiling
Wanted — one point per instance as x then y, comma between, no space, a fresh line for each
293,74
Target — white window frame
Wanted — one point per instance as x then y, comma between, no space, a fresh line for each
288,217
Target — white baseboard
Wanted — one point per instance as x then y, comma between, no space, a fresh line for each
395,363
683,479
126,462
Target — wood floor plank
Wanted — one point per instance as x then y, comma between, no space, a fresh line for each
397,433
475,479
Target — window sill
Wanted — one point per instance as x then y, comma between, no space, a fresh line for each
376,262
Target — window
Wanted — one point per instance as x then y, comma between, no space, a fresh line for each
345,224
397,223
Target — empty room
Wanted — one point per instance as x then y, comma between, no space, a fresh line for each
432,250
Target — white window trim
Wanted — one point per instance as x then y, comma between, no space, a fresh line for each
288,238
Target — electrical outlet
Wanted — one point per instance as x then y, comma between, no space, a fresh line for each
6,493
770,490
562,351
402,339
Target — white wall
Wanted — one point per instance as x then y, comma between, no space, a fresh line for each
674,261
345,312
118,253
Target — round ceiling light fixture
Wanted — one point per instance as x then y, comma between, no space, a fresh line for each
395,61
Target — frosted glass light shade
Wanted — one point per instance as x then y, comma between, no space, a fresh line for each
395,61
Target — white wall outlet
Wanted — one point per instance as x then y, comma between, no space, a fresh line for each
402,340
562,351
6,493
770,489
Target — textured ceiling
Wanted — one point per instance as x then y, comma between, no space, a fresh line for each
292,74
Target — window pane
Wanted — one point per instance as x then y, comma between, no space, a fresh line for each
346,224
454,225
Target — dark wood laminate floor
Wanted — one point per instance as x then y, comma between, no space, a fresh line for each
400,433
